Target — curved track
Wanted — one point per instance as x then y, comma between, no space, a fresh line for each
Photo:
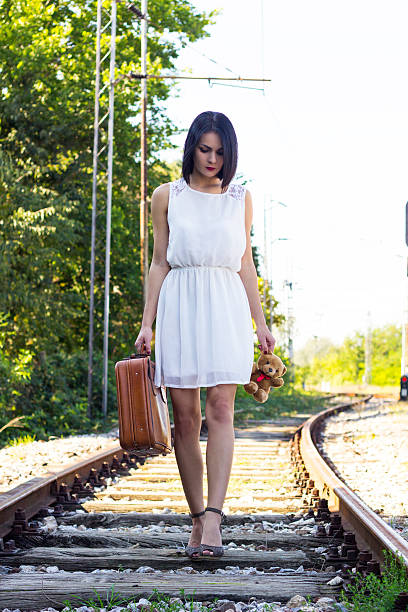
139,498
370,530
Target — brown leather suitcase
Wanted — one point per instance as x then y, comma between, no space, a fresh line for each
144,423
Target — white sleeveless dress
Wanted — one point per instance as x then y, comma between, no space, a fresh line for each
204,335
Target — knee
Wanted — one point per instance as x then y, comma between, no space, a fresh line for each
187,423
220,413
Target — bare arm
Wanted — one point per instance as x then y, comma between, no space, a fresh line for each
159,266
250,281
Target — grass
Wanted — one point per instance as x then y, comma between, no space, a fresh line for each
286,401
158,602
282,402
27,439
373,594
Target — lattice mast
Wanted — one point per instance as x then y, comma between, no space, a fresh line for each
98,176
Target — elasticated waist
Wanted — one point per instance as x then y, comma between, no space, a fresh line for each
198,267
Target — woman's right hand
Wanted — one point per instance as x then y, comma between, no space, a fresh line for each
144,339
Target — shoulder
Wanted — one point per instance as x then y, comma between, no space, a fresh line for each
161,192
160,196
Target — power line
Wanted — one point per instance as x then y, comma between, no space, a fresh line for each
139,76
235,86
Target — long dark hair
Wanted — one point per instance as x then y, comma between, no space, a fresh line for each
210,121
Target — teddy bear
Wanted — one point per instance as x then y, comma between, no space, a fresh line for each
266,373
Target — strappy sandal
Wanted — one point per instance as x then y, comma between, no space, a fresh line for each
217,551
190,551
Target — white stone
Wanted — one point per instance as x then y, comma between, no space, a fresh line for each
335,581
143,602
325,604
295,602
49,524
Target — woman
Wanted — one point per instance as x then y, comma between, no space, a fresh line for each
203,285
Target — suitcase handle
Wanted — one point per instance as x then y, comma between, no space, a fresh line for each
140,355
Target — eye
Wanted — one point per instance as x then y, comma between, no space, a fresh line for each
203,150
221,153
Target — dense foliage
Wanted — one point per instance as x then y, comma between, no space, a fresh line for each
47,66
320,360
373,593
47,57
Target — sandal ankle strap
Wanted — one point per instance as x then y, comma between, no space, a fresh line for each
197,514
215,510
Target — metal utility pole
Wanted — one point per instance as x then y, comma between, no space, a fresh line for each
290,320
144,213
265,258
268,297
404,355
99,136
367,352
108,211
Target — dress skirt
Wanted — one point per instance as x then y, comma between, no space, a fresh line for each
204,334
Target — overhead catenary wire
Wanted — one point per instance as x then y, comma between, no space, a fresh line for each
139,76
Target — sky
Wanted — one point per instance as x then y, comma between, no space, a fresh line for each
327,137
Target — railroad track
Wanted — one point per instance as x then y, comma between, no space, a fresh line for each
287,533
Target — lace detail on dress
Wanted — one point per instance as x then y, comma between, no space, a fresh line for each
236,191
177,186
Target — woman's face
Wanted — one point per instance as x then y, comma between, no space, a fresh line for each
208,155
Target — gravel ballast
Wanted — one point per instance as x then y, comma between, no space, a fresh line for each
369,449
25,461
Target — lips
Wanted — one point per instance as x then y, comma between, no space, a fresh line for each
210,168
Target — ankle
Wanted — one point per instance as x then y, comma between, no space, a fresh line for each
211,513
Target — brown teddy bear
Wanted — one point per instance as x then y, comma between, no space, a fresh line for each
266,373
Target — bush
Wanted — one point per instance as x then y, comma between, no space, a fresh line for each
51,392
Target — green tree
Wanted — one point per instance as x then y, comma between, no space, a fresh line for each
346,363
47,67
386,355
47,57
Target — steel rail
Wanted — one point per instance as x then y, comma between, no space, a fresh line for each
371,531
36,493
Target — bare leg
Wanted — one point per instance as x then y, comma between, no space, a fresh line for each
187,425
219,412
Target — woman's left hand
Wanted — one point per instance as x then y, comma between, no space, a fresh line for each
266,340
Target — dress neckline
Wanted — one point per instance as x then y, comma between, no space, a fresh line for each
206,192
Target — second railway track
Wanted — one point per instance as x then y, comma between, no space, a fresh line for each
279,539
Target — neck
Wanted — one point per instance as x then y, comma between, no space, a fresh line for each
204,182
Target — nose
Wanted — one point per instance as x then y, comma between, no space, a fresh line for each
212,158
